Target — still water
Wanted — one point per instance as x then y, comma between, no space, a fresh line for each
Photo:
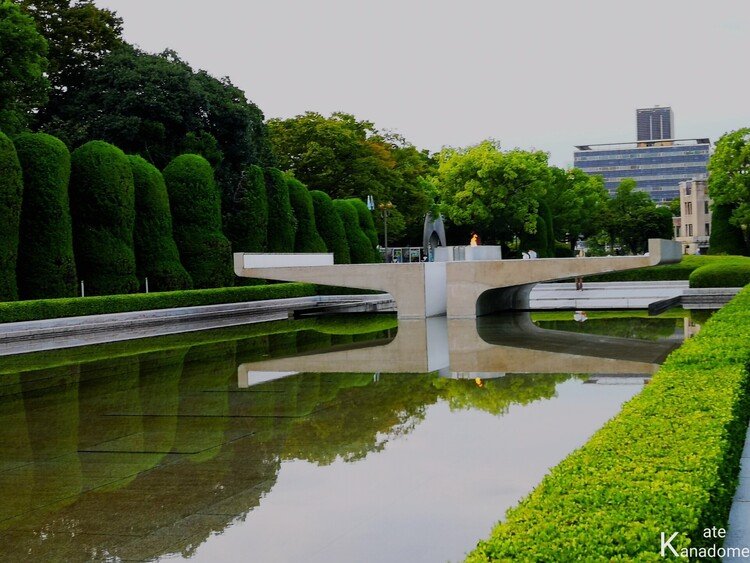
328,439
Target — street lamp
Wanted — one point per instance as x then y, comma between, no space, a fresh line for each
384,209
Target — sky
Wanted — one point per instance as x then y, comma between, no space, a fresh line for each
543,75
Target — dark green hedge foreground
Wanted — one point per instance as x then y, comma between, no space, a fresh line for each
668,462
722,274
75,307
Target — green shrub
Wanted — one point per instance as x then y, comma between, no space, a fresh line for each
668,462
725,237
46,266
367,224
282,224
359,245
11,193
79,306
156,255
307,238
330,227
667,272
563,250
722,274
247,226
102,206
196,217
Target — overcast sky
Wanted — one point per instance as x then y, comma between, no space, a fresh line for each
545,75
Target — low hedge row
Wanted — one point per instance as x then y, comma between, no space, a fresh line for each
668,462
722,274
667,272
16,311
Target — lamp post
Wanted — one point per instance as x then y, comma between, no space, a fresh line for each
384,209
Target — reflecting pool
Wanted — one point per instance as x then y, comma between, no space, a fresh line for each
321,439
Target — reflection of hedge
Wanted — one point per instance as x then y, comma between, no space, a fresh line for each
281,222
247,225
196,215
367,224
46,267
11,190
668,462
723,274
156,253
725,237
307,238
102,205
359,245
330,227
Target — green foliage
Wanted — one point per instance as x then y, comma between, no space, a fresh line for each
632,218
196,217
307,238
728,181
247,226
46,266
667,462
102,206
726,238
367,225
726,273
359,245
282,225
23,84
11,194
666,272
79,306
156,253
330,227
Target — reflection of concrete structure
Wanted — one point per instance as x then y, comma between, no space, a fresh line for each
461,289
694,229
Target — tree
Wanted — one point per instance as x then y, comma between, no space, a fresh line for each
307,238
494,192
330,227
577,202
11,194
23,84
247,226
196,216
102,206
359,245
282,225
156,254
46,265
632,218
726,238
729,176
367,225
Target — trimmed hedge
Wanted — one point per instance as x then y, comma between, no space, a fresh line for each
307,238
282,224
46,266
102,206
725,237
360,249
11,193
247,225
196,217
330,227
156,253
79,306
668,462
666,272
367,224
723,274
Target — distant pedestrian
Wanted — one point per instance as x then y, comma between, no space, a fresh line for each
525,255
532,254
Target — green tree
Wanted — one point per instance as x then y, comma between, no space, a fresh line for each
307,238
102,205
729,176
726,238
23,83
247,226
282,225
11,195
360,249
156,253
196,217
367,225
674,207
46,265
632,218
330,227
577,202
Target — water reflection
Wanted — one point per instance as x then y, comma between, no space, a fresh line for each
154,452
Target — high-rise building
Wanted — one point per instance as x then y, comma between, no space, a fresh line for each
653,124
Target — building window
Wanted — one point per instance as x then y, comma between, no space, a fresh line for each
708,230
688,208
689,230
705,207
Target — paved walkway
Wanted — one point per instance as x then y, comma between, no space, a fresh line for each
603,295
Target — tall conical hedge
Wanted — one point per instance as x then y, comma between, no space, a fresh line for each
330,227
196,218
307,238
46,266
102,205
156,255
11,194
282,225
247,226
725,238
360,249
367,224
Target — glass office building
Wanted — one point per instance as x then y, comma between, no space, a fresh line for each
658,167
654,123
